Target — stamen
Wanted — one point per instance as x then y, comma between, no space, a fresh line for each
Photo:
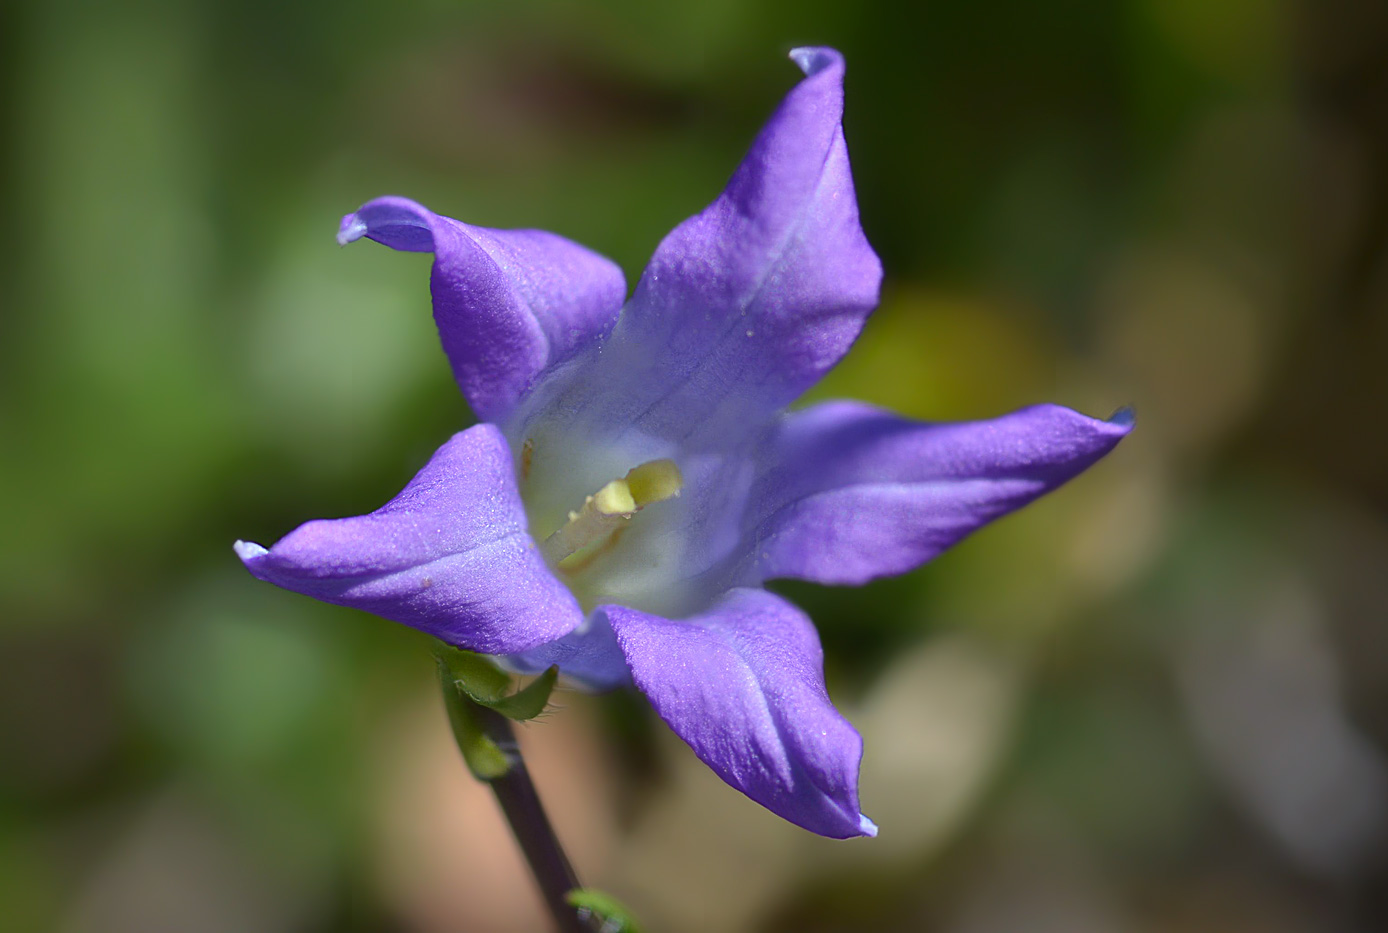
605,513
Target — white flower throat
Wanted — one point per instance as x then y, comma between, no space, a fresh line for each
598,524
608,540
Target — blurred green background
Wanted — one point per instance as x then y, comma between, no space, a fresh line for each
1156,701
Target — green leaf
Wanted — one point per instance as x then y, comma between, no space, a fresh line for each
484,758
611,913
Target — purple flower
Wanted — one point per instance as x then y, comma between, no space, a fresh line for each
637,478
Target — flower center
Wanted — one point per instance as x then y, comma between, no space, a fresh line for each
596,527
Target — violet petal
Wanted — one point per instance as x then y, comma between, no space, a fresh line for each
746,304
509,304
850,492
743,684
449,555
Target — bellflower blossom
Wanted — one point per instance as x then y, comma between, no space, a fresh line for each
637,478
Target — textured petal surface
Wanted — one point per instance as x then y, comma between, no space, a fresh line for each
850,492
450,555
747,304
743,684
509,304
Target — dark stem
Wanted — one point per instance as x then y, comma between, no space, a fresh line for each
516,793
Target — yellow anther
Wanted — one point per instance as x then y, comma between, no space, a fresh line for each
594,528
655,481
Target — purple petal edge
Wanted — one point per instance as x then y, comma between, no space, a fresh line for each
587,656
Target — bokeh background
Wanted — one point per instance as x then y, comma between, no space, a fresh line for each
1156,701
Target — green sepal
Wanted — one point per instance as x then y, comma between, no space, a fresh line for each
611,914
484,758
485,684
476,675
531,700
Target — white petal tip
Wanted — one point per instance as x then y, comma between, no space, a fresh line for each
249,550
866,826
814,59
352,228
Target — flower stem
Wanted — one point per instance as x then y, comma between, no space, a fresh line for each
520,803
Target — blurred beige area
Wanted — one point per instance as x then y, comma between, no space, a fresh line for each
1156,701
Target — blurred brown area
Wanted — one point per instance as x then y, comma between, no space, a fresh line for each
1156,701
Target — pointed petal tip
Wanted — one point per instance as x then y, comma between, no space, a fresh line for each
351,229
866,826
1124,417
814,59
248,551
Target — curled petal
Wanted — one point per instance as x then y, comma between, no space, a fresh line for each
743,684
450,555
509,304
849,492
